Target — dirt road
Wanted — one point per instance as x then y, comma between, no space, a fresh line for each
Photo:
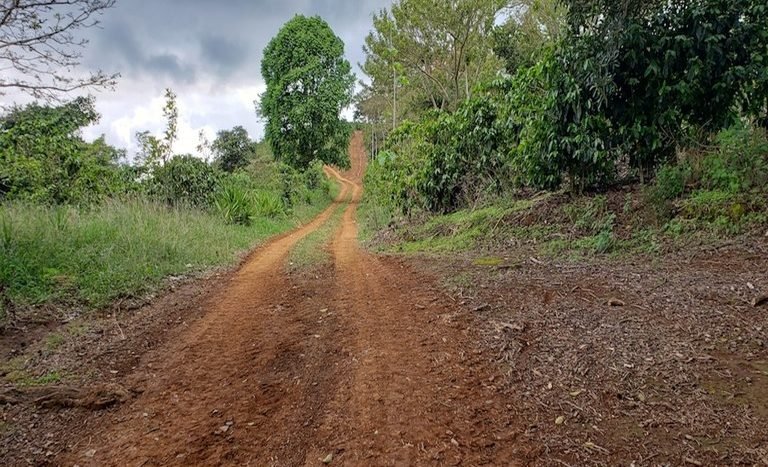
364,363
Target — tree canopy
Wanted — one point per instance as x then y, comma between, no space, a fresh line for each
428,55
43,157
309,83
233,149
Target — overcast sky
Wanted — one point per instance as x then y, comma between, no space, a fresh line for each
208,52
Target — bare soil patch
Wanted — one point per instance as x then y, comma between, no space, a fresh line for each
647,361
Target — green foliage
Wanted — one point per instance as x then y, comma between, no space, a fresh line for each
723,180
44,159
530,30
617,96
590,215
269,204
448,160
314,176
184,180
739,163
234,204
232,149
312,251
670,182
309,83
426,55
155,151
653,70
458,231
117,249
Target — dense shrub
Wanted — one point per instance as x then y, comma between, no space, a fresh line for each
268,204
617,97
44,159
184,180
723,183
232,149
447,160
739,162
234,204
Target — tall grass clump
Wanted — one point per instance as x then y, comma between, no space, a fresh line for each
235,204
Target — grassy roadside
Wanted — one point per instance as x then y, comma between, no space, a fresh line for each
616,224
64,255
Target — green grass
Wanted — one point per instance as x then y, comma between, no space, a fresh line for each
372,217
311,251
460,231
334,188
17,372
21,378
93,256
586,226
54,341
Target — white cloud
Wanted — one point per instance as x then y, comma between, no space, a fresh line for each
210,112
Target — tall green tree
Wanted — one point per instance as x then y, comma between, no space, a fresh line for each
154,151
232,149
426,55
309,83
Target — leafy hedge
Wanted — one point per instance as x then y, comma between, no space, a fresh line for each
618,97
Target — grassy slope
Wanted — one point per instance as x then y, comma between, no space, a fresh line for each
619,223
91,257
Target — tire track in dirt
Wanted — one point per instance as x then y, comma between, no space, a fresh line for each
213,396
414,391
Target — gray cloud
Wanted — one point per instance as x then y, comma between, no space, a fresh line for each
206,51
119,49
170,65
224,54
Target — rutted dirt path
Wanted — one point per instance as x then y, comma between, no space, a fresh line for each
364,364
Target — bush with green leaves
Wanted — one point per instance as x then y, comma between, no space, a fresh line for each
447,160
633,80
235,204
268,204
724,182
184,180
44,159
232,149
314,177
739,162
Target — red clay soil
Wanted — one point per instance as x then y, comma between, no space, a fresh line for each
367,363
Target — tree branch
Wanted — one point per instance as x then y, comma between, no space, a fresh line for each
38,45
